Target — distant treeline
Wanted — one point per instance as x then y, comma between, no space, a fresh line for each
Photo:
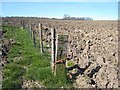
67,17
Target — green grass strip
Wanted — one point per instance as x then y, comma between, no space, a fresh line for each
26,62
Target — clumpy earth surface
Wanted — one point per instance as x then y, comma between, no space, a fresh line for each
92,45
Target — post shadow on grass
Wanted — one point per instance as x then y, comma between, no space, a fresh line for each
81,71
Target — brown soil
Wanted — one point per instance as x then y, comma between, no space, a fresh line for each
94,42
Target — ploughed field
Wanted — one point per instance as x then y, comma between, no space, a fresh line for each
92,45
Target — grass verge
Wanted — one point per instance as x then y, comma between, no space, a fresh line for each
26,62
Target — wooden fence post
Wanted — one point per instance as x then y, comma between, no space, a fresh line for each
1,74
53,66
33,35
34,40
56,48
29,30
24,24
41,37
21,24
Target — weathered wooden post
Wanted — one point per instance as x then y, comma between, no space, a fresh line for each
56,47
34,40
24,23
1,37
33,35
21,22
41,37
53,65
29,30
